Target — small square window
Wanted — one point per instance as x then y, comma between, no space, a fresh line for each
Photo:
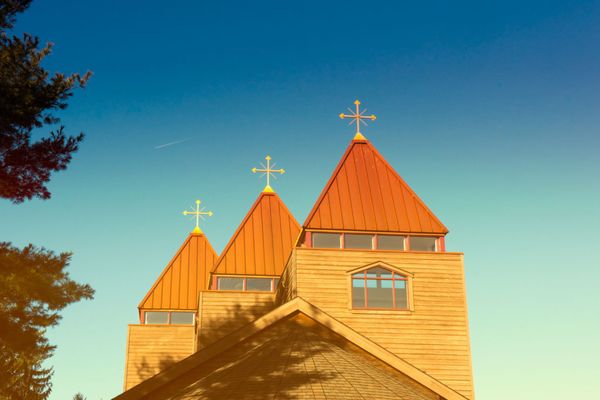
227,283
156,317
354,241
182,318
390,242
422,243
258,284
326,240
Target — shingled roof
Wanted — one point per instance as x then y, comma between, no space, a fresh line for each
365,193
295,351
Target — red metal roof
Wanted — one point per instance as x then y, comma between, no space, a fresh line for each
366,194
262,243
187,273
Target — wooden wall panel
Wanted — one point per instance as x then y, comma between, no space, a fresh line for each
152,348
286,290
434,337
220,313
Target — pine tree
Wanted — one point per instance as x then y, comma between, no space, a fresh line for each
34,285
28,96
34,288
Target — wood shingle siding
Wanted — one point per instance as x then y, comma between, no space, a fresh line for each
221,312
152,348
434,337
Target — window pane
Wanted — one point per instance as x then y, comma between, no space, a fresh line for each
157,317
182,318
326,240
390,242
358,283
422,243
379,297
353,241
379,272
358,293
401,296
275,283
230,283
258,284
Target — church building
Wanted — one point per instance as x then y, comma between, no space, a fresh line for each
361,301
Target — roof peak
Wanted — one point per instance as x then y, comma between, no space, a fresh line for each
365,193
262,242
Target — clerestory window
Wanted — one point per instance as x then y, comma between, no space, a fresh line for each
379,288
169,318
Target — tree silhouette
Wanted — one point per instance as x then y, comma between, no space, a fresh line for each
28,96
34,288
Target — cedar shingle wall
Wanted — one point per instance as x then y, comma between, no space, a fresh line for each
152,348
434,337
220,313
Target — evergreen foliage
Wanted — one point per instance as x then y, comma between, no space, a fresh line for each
29,94
34,288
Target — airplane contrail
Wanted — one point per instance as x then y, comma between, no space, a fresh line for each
162,146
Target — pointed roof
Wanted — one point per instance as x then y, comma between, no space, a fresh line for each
184,276
268,356
263,241
366,194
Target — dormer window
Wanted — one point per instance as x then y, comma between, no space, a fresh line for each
380,288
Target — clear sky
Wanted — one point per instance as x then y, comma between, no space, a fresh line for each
491,112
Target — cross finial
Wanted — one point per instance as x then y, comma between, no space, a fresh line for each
268,171
199,214
357,118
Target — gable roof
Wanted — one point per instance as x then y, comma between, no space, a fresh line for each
202,363
365,193
262,242
184,276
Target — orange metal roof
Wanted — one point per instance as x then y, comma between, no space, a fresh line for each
366,194
186,274
262,243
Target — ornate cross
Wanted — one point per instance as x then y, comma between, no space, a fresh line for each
357,118
199,214
268,171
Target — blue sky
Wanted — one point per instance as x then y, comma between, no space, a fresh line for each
491,112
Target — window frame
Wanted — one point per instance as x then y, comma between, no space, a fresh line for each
408,279
215,283
440,245
169,312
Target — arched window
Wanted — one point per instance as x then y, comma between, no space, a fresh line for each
379,288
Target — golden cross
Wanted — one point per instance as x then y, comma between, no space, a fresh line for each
268,171
199,214
357,118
